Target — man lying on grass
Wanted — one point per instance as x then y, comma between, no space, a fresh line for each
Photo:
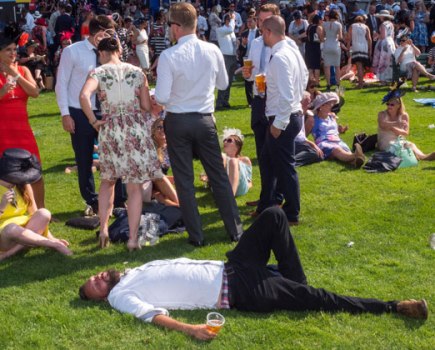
245,282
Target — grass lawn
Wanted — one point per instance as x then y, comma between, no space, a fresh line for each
388,216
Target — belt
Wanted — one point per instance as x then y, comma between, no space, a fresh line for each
272,117
229,270
188,114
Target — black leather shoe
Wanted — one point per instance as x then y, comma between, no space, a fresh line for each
196,243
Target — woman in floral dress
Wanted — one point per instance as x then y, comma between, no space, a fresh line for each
126,148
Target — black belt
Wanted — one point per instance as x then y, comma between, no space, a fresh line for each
188,114
231,275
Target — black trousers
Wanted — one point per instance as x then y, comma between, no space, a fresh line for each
193,133
83,144
249,91
254,287
277,170
305,154
223,96
259,124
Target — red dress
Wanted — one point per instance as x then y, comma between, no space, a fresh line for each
15,131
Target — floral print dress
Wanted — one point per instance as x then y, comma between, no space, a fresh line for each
125,145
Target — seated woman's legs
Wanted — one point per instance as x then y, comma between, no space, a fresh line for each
233,173
168,194
356,158
420,155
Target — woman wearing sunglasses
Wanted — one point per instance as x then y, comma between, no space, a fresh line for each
394,123
238,167
405,55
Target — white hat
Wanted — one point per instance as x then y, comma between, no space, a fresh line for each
37,15
384,13
323,98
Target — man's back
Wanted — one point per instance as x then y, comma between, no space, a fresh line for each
188,74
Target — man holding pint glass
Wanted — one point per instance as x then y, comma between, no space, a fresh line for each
244,283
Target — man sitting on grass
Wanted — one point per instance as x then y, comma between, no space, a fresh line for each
245,283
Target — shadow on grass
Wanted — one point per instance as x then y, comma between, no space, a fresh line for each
60,167
44,115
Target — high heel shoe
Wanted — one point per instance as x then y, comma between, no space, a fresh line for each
133,245
104,240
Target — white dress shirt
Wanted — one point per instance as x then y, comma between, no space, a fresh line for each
202,25
30,23
76,62
227,39
239,22
183,284
255,55
286,80
187,75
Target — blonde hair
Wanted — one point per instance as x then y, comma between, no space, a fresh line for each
183,14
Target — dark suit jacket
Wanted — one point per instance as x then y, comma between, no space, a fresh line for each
243,50
370,25
64,23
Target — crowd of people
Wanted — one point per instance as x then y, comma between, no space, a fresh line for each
103,57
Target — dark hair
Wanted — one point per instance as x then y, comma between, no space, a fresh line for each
5,42
99,23
333,14
239,143
316,19
108,44
82,293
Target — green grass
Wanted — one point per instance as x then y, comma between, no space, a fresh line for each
388,216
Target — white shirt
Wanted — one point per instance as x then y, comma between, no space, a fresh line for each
255,55
408,56
30,23
202,25
183,284
187,75
239,22
286,79
227,39
52,21
76,62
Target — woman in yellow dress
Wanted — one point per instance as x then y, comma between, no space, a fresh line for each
22,225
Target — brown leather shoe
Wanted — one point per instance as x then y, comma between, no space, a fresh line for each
413,308
253,203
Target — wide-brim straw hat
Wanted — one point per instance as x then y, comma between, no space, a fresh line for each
19,167
384,13
323,98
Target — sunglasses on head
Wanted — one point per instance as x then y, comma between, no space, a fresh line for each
171,23
228,140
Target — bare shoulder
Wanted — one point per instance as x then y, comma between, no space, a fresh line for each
245,160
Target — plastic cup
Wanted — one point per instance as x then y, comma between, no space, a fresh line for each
260,82
215,322
247,62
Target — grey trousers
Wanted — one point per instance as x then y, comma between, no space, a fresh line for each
223,96
193,133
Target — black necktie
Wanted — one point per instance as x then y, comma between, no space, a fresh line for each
97,64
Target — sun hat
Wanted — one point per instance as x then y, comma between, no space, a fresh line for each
384,13
37,15
323,98
19,167
395,92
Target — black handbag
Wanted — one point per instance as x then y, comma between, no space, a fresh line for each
367,142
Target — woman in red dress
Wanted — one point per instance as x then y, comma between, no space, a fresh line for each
16,85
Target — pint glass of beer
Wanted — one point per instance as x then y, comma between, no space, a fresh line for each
215,321
260,82
247,62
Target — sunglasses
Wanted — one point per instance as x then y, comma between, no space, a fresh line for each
171,23
228,140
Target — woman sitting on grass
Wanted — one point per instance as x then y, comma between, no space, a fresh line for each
22,225
239,168
326,132
393,123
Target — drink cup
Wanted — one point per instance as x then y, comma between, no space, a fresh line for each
260,82
215,321
247,62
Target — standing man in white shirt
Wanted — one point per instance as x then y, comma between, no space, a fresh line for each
30,21
287,79
76,62
187,75
227,43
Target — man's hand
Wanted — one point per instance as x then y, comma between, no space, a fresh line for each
275,131
68,124
201,332
319,151
247,71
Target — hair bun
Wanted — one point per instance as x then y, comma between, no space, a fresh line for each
112,44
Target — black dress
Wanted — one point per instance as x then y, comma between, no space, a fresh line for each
312,48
